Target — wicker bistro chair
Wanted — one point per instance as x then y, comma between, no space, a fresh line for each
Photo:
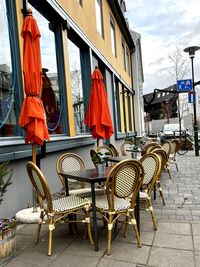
173,150
163,157
122,187
124,146
56,211
146,149
167,147
152,167
69,162
114,150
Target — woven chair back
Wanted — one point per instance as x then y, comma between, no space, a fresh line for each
167,147
114,150
69,162
152,168
123,181
124,146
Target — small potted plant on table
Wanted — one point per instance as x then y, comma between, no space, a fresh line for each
7,226
100,160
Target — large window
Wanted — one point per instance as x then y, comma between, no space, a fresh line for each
50,93
8,120
123,109
112,33
76,86
99,16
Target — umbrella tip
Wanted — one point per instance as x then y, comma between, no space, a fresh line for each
29,12
96,67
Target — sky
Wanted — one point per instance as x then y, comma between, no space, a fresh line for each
165,25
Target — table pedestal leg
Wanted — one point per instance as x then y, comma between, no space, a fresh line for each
94,217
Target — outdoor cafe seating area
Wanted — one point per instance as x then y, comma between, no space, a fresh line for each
108,197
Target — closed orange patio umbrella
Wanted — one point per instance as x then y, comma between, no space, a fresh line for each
32,117
98,116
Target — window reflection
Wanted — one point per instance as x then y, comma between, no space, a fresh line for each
77,89
7,103
50,93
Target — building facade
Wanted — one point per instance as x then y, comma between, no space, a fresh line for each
75,37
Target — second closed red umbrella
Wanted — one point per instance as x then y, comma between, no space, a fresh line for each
98,116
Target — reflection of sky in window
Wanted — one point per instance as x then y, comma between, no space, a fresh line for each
5,57
74,56
47,42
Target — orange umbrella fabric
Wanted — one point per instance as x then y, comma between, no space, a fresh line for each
32,117
98,114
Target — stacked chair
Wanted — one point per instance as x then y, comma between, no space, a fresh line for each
166,146
173,150
163,157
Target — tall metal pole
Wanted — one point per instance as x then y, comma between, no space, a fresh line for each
191,50
195,114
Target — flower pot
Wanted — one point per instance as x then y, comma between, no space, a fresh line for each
100,168
7,242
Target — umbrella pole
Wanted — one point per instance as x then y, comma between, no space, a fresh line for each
33,190
97,142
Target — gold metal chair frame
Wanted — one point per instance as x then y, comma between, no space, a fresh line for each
121,191
152,168
54,212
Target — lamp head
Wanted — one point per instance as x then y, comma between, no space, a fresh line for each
191,50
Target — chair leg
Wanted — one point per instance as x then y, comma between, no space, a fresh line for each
39,227
110,226
168,170
87,218
176,165
126,227
133,221
51,228
150,208
161,192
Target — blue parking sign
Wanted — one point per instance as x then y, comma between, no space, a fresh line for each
184,85
192,97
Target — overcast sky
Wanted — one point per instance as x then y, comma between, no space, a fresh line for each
162,24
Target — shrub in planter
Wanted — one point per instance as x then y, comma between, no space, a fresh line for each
7,226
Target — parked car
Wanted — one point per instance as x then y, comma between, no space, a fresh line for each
172,130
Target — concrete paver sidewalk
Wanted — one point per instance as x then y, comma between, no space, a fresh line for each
175,243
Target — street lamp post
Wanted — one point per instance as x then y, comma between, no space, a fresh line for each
191,50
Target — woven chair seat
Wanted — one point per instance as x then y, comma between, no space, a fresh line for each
86,192
68,203
120,204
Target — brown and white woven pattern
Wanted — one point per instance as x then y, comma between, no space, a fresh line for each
86,192
69,203
70,164
124,181
120,204
149,165
38,183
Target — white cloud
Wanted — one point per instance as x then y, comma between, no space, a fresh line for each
162,24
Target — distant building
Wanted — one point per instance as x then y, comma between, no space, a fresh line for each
161,103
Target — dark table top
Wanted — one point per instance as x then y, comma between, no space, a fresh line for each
90,175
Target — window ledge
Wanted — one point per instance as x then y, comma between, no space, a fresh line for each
15,148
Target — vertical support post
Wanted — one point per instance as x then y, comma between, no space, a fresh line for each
195,115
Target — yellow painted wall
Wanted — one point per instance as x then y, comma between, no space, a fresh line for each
85,18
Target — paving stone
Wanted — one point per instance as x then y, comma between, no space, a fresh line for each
163,257
174,228
173,241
